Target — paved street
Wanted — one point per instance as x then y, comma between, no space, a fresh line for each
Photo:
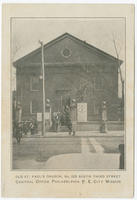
33,153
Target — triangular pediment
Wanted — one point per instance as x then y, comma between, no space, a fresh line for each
67,49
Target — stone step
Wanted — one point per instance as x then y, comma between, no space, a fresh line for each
95,126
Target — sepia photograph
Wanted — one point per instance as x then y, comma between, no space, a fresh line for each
68,100
68,93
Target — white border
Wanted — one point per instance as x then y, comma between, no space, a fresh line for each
82,2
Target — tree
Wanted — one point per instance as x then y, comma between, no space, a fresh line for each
120,73
15,48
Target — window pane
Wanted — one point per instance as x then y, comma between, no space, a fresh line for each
34,106
35,85
99,83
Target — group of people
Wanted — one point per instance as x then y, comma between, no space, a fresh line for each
66,118
23,127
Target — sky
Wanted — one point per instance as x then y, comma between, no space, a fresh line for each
99,32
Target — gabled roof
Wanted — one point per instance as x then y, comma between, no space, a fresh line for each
67,35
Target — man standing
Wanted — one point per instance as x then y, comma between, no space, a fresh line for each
68,122
56,121
18,132
18,123
70,117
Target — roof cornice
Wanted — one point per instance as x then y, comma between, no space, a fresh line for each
61,37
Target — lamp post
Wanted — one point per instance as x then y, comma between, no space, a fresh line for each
43,87
48,111
73,107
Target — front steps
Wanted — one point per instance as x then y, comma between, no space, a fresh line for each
95,126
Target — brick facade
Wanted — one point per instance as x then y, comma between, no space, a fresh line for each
72,68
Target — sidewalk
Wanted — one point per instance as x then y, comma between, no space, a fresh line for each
81,134
84,161
76,161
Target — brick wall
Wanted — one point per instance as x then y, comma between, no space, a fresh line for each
65,75
65,81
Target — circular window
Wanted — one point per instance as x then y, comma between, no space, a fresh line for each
66,52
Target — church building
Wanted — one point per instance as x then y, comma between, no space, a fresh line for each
73,69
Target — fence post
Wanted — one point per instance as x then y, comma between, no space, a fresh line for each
121,150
